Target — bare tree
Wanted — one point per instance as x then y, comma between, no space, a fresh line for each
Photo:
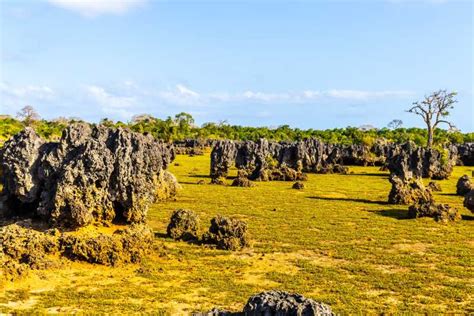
434,109
28,115
394,124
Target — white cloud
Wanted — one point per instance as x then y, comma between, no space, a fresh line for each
27,92
93,8
110,103
180,95
366,95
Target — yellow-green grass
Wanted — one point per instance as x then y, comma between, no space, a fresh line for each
336,241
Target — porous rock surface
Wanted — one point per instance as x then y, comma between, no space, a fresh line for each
54,191
227,233
440,212
183,225
93,174
276,303
284,303
469,201
408,191
463,186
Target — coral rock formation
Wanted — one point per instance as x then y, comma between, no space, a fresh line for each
284,303
469,201
184,225
227,233
440,212
463,185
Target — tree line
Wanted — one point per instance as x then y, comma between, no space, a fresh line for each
434,110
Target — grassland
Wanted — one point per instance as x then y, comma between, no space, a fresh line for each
337,241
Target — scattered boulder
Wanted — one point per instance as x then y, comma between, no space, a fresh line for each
464,185
201,182
284,303
440,212
184,225
469,201
298,185
218,181
167,186
408,191
227,233
434,186
242,182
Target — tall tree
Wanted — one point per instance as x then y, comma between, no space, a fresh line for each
434,110
28,115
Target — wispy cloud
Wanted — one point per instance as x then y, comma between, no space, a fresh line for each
183,95
111,103
27,92
93,8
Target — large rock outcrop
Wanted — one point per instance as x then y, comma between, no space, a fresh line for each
469,201
93,174
227,233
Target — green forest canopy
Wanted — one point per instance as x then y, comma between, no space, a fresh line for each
182,126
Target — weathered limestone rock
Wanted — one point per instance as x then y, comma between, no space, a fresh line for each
227,233
282,161
92,175
298,185
464,185
440,212
465,154
127,245
184,225
284,303
408,191
469,201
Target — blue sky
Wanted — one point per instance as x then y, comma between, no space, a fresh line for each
309,64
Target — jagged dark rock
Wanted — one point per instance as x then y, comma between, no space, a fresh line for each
92,175
465,154
284,303
227,233
469,201
184,225
408,191
440,212
463,185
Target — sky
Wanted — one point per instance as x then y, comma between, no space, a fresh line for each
308,64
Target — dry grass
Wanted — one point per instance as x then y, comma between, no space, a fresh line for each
336,241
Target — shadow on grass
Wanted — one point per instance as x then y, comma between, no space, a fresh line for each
381,175
450,194
199,176
348,200
397,213
467,218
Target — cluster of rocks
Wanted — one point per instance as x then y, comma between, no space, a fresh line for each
277,303
407,166
275,161
192,147
92,175
225,232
